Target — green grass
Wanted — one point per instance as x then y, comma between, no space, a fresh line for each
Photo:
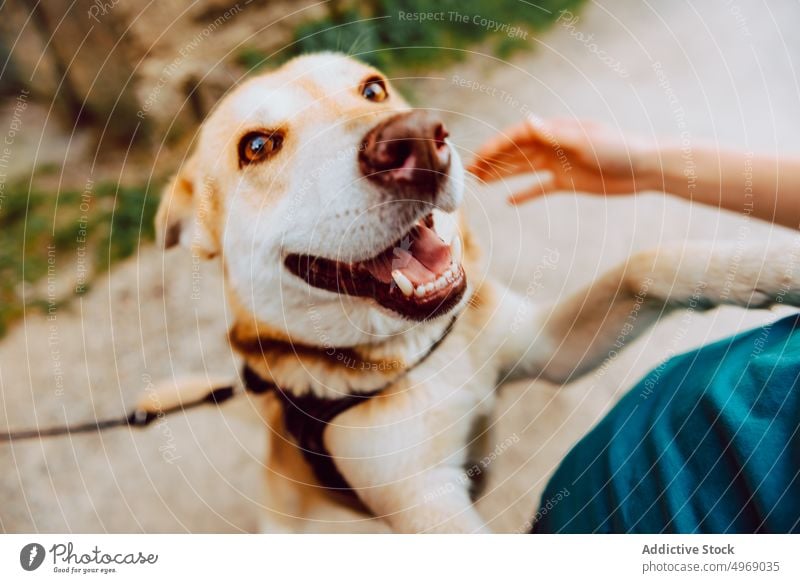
374,31
41,230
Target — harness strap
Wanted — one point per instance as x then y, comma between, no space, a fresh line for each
305,418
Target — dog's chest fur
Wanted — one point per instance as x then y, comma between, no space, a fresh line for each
429,413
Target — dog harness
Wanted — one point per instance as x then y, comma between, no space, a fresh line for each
307,416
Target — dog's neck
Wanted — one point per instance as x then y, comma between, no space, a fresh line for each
331,372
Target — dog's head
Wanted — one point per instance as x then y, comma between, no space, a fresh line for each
331,201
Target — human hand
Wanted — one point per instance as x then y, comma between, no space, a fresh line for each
575,155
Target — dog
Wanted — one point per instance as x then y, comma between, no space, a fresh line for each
358,301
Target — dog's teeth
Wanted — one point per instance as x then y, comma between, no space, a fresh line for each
429,287
455,250
419,291
403,282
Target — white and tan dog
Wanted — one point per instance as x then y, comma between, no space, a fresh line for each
334,208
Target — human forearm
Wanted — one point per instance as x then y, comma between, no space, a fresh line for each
762,186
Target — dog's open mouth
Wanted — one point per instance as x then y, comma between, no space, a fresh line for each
419,276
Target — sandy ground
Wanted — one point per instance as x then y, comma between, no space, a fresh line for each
729,76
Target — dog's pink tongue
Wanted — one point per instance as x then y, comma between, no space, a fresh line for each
430,251
426,258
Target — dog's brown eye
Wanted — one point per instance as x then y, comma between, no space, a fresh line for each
374,89
257,146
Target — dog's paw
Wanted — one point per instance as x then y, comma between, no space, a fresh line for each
761,280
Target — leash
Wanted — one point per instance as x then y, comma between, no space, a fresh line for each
140,418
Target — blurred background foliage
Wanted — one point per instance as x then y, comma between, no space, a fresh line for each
42,232
375,31
94,80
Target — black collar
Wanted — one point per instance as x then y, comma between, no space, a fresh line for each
255,384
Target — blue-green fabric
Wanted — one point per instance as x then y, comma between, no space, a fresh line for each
707,442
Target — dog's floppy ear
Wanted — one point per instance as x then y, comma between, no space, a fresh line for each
183,215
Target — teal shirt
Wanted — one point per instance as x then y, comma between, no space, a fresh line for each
708,442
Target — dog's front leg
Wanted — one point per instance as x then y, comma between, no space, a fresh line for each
425,500
574,336
404,455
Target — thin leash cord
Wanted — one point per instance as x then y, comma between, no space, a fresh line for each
216,396
138,418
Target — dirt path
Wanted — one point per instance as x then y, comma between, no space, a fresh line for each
726,74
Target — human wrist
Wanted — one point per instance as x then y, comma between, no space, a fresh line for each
647,163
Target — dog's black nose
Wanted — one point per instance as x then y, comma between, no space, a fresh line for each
407,151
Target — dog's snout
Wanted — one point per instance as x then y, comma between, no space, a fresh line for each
407,150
